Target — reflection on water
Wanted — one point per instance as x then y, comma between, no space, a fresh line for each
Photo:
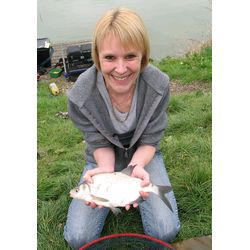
173,25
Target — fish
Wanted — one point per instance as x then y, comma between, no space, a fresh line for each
117,189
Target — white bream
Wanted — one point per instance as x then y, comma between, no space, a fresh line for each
116,189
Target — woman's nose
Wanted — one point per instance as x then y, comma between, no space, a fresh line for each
121,67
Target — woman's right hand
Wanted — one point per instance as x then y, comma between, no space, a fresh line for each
88,175
88,178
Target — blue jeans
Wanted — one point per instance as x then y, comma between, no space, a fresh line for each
85,224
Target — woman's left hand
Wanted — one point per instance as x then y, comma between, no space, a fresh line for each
141,173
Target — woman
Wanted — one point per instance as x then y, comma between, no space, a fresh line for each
120,106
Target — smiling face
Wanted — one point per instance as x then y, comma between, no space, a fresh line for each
120,65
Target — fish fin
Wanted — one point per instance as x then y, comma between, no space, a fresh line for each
115,210
96,198
128,170
162,190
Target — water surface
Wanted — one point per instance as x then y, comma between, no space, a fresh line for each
173,26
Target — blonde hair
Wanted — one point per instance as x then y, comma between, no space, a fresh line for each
128,26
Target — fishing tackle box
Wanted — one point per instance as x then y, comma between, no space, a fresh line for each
44,52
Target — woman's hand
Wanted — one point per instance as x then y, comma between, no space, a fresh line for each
92,204
88,175
140,172
88,178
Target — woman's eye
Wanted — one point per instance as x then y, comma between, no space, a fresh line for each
130,56
109,57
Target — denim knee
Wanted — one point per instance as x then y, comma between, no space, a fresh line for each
76,240
167,235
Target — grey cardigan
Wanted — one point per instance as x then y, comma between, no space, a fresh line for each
88,111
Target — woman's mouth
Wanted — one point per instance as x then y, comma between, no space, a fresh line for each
120,78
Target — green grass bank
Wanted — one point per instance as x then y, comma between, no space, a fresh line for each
186,147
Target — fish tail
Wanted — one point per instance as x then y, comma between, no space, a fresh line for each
161,191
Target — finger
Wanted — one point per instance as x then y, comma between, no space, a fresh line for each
92,172
145,181
144,195
88,175
99,206
87,203
127,207
87,178
93,205
135,205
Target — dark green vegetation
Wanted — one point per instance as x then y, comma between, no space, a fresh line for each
186,147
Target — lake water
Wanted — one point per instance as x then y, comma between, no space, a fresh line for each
174,25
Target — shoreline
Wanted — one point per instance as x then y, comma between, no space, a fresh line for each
58,47
176,85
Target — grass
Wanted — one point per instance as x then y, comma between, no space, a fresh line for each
186,147
195,66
